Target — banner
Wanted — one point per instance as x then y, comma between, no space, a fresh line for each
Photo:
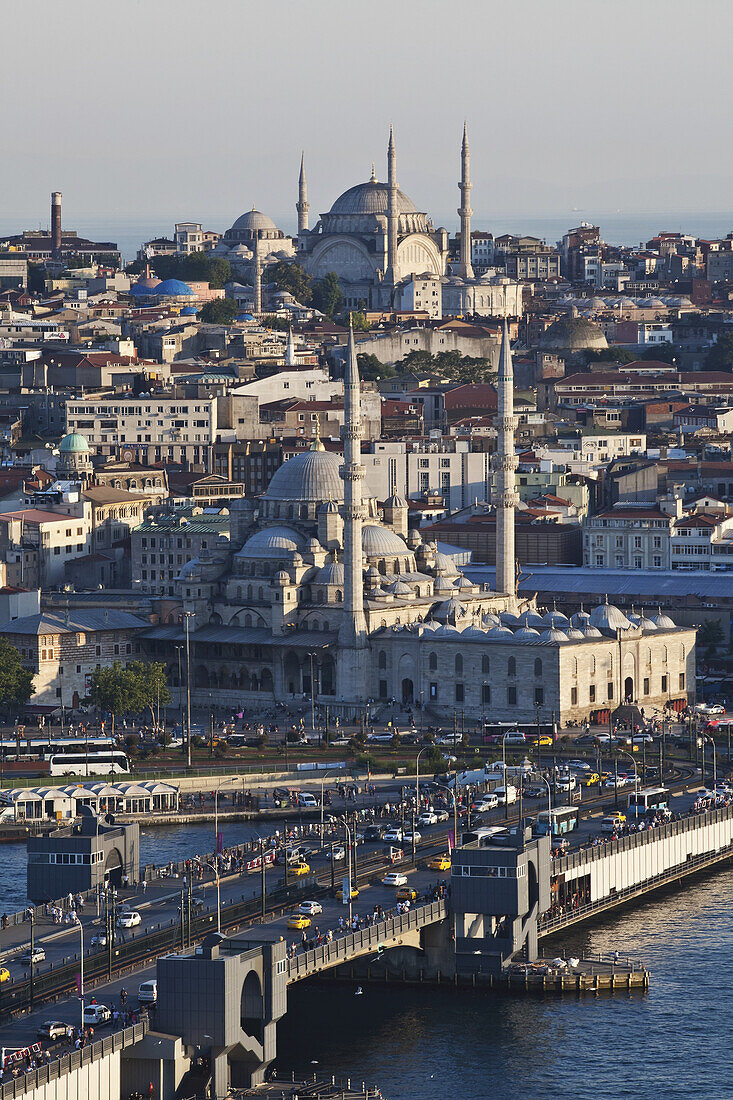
346,889
219,843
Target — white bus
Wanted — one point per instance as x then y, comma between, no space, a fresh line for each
98,763
648,800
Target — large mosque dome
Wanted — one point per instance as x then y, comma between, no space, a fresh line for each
371,197
251,221
573,334
309,477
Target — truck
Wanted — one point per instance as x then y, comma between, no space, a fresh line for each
506,796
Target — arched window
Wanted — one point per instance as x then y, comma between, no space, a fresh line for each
339,596
485,664
682,653
382,659
459,664
249,591
248,620
512,667
433,661
315,624
538,667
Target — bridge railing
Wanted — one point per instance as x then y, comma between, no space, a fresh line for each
67,1063
365,939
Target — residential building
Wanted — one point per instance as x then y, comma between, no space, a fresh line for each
600,446
710,417
165,542
150,429
628,536
55,539
247,461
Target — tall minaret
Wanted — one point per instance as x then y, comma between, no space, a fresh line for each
504,462
257,268
302,205
465,267
352,642
290,360
391,209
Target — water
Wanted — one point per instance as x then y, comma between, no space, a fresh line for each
157,845
673,1041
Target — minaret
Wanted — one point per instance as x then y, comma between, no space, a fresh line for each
504,462
391,209
465,267
352,641
257,273
290,350
56,238
302,205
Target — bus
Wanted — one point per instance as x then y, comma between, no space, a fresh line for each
98,763
483,834
648,801
562,819
37,747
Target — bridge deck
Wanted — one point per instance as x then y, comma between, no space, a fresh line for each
355,944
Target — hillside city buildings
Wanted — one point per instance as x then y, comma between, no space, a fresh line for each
505,489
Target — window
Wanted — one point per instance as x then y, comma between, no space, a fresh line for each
538,667
433,691
682,681
539,697
512,667
486,693
382,689
592,693
485,664
511,695
382,660
458,664
646,685
433,662
664,685
459,693
610,690
574,697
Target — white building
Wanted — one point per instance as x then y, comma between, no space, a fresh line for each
628,536
151,429
423,292
601,445
458,473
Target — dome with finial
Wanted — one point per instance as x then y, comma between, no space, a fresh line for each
73,443
310,476
662,621
607,617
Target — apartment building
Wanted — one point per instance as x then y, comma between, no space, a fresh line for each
53,539
628,536
164,543
146,429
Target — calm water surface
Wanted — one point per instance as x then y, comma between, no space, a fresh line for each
674,1041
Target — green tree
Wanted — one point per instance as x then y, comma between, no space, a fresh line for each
371,368
197,266
359,322
662,353
219,311
720,356
16,682
292,278
148,687
327,295
110,690
611,355
710,636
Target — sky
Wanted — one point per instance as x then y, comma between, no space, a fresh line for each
196,109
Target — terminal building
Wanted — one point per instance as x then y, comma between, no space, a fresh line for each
80,857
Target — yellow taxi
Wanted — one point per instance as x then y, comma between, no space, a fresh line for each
590,779
612,822
299,922
354,892
543,740
4,974
406,893
440,863
300,868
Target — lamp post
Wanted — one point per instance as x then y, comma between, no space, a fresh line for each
503,759
702,741
313,693
179,651
31,913
636,773
417,776
348,856
549,803
324,777
81,975
215,868
187,616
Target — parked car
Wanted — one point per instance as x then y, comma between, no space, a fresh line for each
53,1030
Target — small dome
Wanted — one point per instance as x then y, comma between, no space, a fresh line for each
190,570
531,619
662,621
507,618
494,633
272,542
331,573
526,634
144,288
464,582
380,540
443,584
573,333
580,619
399,588
310,476
73,444
555,618
450,610
173,288
241,504
251,221
395,502
646,624
189,311
413,538
575,634
444,564
313,546
553,635
490,619
474,632
282,578
607,617
330,508
591,632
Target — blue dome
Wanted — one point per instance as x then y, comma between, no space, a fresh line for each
141,290
173,288
245,317
189,311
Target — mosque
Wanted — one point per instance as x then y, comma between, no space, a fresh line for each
323,592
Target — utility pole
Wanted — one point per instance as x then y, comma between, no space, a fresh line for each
188,692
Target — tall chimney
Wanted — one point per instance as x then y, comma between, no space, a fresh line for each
56,225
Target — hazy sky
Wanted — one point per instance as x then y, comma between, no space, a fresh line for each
199,108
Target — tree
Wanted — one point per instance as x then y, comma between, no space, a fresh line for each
148,686
292,278
197,266
371,368
110,689
720,356
16,682
663,353
219,311
359,322
327,295
611,355
710,636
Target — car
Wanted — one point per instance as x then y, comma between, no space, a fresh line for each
147,992
579,766
394,878
427,818
612,821
99,940
515,738
4,974
590,779
488,802
339,742
440,863
310,908
543,740
393,836
535,792
129,920
299,921
588,739
337,852
408,838
374,833
406,893
53,1030
716,708
566,782
96,1015
197,904
442,815
37,955
300,868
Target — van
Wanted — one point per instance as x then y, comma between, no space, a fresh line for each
147,993
308,800
506,796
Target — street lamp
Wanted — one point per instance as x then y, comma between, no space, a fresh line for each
549,802
702,741
179,650
187,616
81,975
503,758
30,912
636,771
417,776
323,779
348,834
215,868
